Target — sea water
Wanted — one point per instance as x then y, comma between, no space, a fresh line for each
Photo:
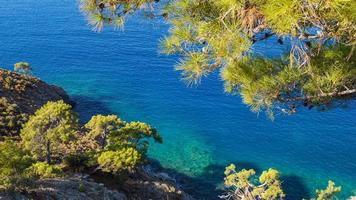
204,129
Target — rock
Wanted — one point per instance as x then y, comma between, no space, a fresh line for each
69,188
146,186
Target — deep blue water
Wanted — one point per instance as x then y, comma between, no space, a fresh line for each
203,128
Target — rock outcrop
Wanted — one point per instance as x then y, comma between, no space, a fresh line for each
141,186
20,96
75,188
153,185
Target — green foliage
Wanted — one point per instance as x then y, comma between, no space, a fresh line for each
11,118
123,145
116,161
244,185
51,125
328,193
99,127
13,163
44,170
81,187
240,185
22,67
111,12
316,69
320,66
136,135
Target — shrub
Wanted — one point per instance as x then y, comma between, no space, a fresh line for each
328,193
81,187
121,145
116,161
240,186
44,170
13,163
11,118
22,67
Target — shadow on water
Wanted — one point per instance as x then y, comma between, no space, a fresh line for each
207,186
294,188
87,107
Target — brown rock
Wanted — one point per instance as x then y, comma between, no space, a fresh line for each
26,94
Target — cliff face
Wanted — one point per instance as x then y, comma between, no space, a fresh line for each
20,96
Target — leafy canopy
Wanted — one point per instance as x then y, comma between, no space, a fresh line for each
13,162
105,142
51,125
316,68
328,193
111,12
123,145
119,160
99,127
240,185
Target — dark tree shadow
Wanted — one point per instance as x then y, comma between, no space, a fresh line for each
87,107
206,186
294,188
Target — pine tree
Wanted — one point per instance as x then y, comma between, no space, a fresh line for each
317,68
123,145
240,185
45,131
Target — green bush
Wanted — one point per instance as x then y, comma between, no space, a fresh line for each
44,170
116,161
119,145
13,163
81,187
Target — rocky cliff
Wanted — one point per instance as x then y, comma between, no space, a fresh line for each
20,96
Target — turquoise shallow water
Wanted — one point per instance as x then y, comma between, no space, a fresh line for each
203,129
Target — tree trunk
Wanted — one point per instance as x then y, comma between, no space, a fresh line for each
48,152
103,142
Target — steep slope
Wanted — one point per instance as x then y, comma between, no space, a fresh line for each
20,96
